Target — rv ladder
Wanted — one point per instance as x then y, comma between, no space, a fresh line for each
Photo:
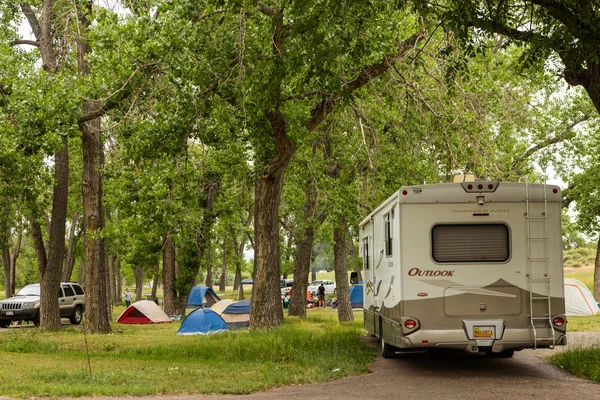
538,263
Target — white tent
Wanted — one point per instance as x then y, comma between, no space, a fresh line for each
578,299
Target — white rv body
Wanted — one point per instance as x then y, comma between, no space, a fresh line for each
474,266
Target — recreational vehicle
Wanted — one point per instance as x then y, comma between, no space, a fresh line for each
473,266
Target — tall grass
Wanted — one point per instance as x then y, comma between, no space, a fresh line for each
140,360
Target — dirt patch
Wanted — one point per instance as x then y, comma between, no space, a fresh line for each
583,268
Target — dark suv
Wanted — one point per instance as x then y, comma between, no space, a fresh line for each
25,304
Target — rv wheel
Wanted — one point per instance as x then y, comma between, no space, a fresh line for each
502,354
387,350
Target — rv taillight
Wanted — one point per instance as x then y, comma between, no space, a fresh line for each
558,321
405,192
410,324
480,186
555,190
470,187
490,186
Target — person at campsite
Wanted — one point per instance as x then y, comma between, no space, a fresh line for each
286,300
127,297
321,296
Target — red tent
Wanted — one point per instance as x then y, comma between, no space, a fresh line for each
143,312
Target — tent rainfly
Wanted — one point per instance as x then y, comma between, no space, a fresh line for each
143,312
202,296
578,299
235,313
202,321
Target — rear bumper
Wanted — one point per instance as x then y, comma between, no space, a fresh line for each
511,339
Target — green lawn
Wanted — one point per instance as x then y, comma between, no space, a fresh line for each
141,360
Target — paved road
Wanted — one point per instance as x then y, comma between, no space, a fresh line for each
525,376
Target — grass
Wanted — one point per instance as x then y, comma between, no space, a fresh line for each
145,360
583,324
584,363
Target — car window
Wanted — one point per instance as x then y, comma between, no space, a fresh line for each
29,290
78,289
60,293
68,290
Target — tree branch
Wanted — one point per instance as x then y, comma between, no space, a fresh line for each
265,9
564,135
32,19
25,42
368,73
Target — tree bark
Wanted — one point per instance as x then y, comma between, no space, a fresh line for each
119,277
169,293
341,272
356,262
304,255
155,280
112,259
223,268
208,257
69,260
139,282
5,244
97,320
13,261
50,282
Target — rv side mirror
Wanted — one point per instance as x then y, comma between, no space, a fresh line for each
354,278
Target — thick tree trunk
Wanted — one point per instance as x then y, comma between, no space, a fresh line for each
50,282
69,260
304,255
597,274
341,272
266,307
38,244
223,276
168,275
138,272
93,224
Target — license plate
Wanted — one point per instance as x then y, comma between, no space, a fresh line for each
10,313
483,332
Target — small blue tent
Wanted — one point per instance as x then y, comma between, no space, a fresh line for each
202,321
356,295
202,296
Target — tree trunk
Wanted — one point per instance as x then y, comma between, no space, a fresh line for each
304,255
119,286
108,280
139,282
81,273
112,259
239,257
155,280
353,255
341,272
13,261
597,274
223,268
5,244
208,282
69,260
50,282
168,275
266,308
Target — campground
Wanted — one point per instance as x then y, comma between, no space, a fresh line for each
151,360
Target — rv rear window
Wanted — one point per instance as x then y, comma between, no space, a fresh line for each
470,243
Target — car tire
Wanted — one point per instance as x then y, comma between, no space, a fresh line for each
387,350
77,316
36,320
4,323
335,291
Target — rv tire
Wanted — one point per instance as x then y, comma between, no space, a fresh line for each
387,350
502,354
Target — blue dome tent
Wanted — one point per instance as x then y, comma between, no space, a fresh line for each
202,321
202,296
356,295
